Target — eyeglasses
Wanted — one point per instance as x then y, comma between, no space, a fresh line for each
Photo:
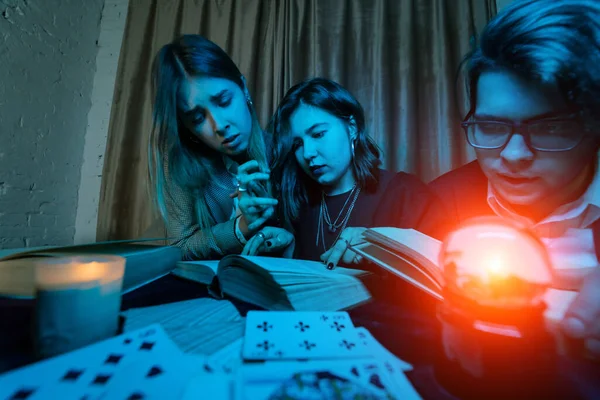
542,134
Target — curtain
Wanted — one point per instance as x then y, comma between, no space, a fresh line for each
398,57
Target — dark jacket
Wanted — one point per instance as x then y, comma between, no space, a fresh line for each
463,192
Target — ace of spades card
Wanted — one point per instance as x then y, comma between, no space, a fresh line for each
285,335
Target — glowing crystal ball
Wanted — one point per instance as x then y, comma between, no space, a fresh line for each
494,262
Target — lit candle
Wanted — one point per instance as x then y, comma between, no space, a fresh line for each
77,301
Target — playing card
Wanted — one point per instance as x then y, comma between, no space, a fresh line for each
300,335
392,363
214,380
228,359
365,379
377,373
216,386
89,371
160,377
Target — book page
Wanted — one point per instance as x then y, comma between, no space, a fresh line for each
198,271
402,267
8,254
288,265
143,264
418,246
287,284
198,326
101,247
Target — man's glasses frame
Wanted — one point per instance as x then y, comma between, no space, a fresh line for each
580,131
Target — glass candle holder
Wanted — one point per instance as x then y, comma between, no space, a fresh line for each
493,336
77,301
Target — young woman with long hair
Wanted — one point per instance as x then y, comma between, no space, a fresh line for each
207,154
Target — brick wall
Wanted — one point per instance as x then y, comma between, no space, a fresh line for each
47,62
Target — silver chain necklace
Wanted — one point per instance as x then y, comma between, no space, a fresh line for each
334,226
325,218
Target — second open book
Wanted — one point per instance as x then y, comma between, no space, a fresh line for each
406,253
414,257
279,283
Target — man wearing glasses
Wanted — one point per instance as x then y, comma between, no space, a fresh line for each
534,84
536,161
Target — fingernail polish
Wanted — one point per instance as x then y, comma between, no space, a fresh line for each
330,266
269,243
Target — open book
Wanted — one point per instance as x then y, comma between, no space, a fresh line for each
414,257
144,263
406,253
279,283
198,326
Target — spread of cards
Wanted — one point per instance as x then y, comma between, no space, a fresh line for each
283,355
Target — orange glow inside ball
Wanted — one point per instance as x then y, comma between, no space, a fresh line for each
496,263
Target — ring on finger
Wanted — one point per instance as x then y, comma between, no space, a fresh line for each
262,236
241,188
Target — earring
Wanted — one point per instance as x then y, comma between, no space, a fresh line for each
247,93
354,167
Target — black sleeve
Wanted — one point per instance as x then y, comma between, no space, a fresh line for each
463,192
443,189
409,203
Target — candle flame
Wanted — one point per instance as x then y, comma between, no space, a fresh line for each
78,270
88,272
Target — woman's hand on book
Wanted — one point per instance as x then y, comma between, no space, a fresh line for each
582,319
340,249
268,240
255,203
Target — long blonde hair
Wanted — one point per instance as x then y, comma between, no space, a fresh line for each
174,157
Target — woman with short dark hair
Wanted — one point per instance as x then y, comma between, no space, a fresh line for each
327,176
